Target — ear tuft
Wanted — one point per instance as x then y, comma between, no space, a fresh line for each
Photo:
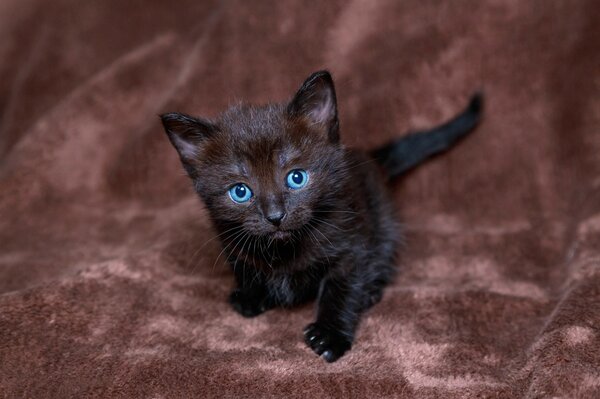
316,102
187,133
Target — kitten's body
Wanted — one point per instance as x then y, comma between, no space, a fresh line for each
334,239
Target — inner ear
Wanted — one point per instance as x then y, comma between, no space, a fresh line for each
315,101
187,134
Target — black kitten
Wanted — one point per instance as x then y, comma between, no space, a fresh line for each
300,216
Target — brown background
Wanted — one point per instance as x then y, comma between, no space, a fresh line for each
106,287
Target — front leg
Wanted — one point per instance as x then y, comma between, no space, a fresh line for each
339,309
252,296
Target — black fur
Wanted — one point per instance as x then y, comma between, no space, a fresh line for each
335,239
409,151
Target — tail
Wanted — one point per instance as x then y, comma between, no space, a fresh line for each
407,152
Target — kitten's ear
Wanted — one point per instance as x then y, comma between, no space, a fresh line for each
187,134
316,102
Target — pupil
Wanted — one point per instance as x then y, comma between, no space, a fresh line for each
297,178
240,191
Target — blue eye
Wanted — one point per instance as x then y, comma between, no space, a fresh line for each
297,179
240,193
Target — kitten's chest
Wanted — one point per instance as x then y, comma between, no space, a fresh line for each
294,288
293,273
281,287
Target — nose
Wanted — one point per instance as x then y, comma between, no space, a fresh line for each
276,217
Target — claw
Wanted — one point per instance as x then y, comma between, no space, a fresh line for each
325,342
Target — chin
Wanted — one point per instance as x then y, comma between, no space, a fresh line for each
281,235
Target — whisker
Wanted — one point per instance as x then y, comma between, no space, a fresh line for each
256,272
233,239
330,224
317,243
203,245
320,232
262,253
238,256
248,250
350,212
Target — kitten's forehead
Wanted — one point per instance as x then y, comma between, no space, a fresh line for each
261,134
247,122
264,155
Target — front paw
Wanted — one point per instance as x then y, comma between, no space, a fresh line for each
248,305
328,342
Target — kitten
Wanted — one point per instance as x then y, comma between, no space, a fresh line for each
299,215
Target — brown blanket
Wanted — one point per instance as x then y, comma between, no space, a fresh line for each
111,286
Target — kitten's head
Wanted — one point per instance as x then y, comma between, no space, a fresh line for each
268,169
